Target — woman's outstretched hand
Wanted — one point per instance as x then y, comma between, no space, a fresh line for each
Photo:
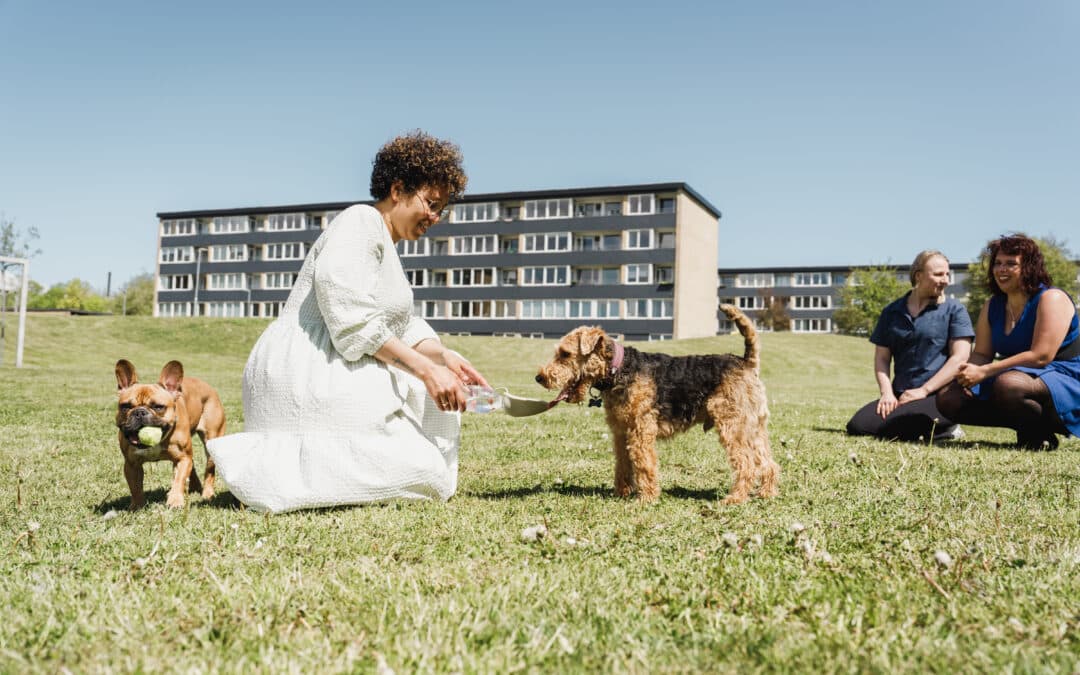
463,369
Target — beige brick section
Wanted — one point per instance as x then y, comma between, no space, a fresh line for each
697,235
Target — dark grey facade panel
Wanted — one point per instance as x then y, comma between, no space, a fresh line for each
583,292
249,238
551,327
555,258
548,225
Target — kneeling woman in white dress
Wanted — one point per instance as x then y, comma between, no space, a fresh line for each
348,397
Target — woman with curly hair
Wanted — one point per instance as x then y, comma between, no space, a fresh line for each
1033,328
348,397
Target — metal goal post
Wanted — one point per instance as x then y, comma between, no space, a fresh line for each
5,262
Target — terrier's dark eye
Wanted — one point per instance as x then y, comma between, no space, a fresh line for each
563,354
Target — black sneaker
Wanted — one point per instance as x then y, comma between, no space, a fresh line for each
1048,442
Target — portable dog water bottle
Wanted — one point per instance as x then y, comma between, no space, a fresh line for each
482,399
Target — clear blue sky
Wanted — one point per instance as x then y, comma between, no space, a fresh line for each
827,132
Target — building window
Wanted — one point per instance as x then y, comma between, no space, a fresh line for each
504,309
594,309
667,205
665,275
540,209
640,205
174,309
177,254
656,308
543,309
290,251
279,280
811,325
508,277
538,243
229,225
229,252
667,240
813,279
483,244
432,309
476,276
177,228
328,218
278,222
751,302
224,309
416,278
475,309
638,239
475,213
811,302
588,209
754,280
640,273
224,282
174,282
595,276
545,276
267,309
408,247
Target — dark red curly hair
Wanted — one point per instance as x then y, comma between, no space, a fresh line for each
418,160
1033,272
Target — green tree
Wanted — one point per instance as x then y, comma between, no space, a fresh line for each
136,296
1060,263
14,243
867,292
75,294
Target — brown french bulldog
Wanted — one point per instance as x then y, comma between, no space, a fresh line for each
179,406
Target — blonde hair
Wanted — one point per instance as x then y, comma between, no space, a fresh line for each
919,264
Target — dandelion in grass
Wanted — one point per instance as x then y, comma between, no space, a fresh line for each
943,559
534,533
730,539
797,527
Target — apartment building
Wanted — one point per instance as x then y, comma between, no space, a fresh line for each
639,260
809,295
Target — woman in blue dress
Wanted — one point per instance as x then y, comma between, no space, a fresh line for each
1034,385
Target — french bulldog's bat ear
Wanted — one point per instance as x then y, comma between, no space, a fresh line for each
171,376
125,374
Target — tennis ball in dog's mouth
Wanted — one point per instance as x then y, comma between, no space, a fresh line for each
150,435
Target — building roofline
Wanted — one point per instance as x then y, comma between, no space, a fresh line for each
465,199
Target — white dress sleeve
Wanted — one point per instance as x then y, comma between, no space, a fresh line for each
347,274
417,331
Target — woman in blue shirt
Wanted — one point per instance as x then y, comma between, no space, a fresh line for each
1034,387
925,336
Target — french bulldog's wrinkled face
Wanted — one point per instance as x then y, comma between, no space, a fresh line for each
145,405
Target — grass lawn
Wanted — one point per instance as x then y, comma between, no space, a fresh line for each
682,585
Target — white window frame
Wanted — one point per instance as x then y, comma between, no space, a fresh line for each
285,250
281,281
457,276
811,325
475,213
228,253
811,302
548,275
177,254
755,280
594,309
815,279
179,227
547,209
543,309
230,225
220,281
228,309
545,242
431,309
632,273
750,302
174,282
172,309
638,240
286,222
477,244
640,205
413,247
417,277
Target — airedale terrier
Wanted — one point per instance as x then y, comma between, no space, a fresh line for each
649,396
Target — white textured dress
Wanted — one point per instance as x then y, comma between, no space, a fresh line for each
325,423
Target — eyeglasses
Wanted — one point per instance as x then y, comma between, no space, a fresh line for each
432,208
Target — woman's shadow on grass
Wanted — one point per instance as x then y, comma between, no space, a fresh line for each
220,500
958,444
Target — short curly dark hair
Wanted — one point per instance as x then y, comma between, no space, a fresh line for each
1033,272
418,159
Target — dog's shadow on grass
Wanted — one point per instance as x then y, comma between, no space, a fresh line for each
221,500
589,491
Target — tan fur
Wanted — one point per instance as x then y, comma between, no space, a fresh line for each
737,406
180,406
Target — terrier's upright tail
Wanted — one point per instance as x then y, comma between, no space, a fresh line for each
746,327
